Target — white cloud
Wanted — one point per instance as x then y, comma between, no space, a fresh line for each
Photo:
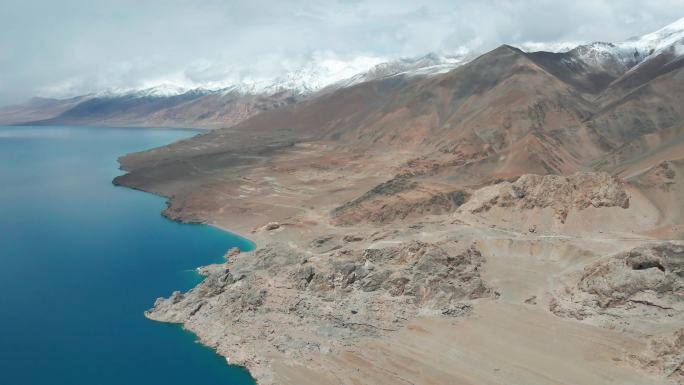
68,47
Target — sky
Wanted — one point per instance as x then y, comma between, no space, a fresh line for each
63,48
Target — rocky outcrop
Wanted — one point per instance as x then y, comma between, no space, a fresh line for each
561,193
665,355
662,176
646,281
398,199
629,291
279,301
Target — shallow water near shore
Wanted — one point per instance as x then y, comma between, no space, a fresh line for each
81,260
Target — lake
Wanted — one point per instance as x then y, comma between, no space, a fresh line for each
81,260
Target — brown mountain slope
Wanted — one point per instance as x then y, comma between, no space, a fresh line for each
660,64
504,114
445,112
191,109
647,107
222,110
38,109
475,111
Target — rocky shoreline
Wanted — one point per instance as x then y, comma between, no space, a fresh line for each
280,302
296,301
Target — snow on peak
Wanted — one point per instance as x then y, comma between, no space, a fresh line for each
163,90
326,69
658,40
320,73
160,90
430,64
536,46
322,70
638,50
626,54
632,52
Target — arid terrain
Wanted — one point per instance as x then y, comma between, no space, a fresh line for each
517,220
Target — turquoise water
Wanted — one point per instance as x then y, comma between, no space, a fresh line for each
80,260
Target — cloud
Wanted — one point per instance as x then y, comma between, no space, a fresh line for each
69,47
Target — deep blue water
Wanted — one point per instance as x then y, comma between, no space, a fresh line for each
80,260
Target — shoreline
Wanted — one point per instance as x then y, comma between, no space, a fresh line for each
132,127
75,166
196,269
182,221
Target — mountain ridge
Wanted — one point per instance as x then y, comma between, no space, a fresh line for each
226,106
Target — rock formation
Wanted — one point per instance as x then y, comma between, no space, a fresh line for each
285,302
561,193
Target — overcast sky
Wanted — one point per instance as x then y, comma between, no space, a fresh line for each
69,47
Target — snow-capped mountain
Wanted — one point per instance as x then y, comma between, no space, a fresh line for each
161,91
169,104
430,64
335,74
671,36
312,77
332,73
317,73
632,52
589,67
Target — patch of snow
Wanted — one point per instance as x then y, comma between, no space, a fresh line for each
626,54
658,40
318,74
322,71
535,46
631,53
161,90
328,70
428,65
679,49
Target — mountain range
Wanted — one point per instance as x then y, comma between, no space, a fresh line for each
515,217
169,105
176,106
